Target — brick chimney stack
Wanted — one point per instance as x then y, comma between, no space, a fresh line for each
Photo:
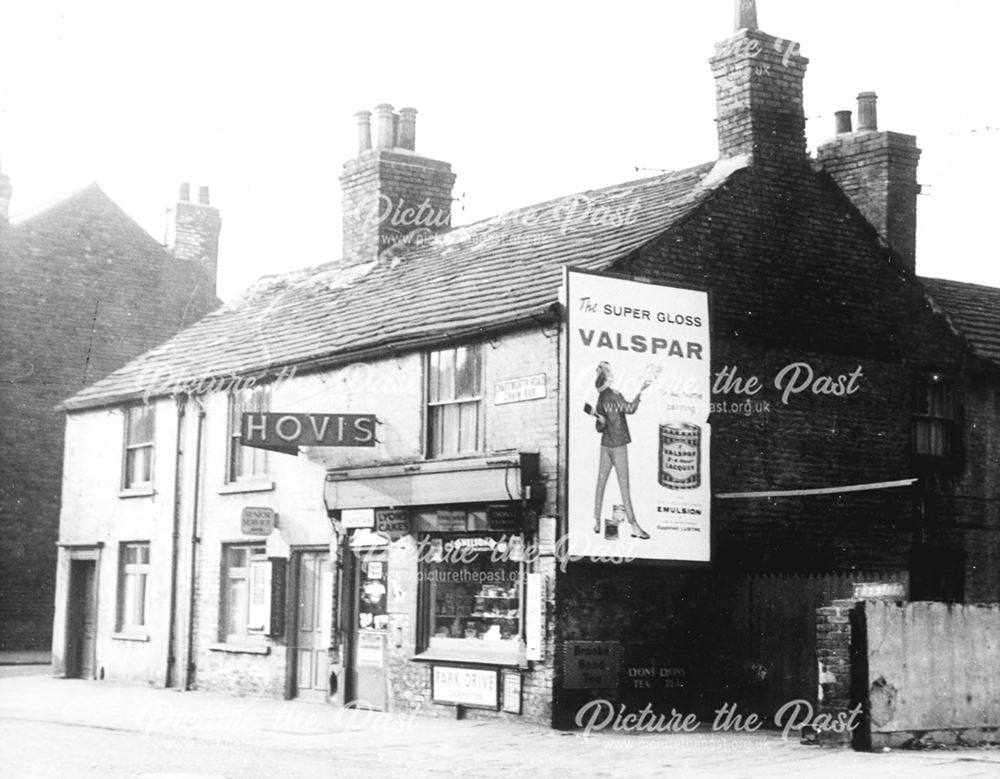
758,88
877,170
193,232
5,192
391,195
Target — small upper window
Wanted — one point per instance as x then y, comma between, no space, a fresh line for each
139,428
454,400
245,462
934,416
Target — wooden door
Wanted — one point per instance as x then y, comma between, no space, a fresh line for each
312,625
81,633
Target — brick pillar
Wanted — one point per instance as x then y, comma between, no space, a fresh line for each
835,625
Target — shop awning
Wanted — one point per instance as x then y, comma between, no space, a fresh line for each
498,477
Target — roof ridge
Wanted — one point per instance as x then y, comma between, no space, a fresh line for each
39,209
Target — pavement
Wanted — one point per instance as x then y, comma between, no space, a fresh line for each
418,745
25,657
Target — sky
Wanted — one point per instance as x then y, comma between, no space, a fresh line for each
527,100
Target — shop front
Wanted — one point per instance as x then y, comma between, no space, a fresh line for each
437,589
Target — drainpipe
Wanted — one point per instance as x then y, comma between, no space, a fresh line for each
175,538
195,541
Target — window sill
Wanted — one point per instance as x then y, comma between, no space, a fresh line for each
474,652
250,485
241,649
137,492
130,636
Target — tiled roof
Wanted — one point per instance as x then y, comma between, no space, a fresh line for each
974,310
481,276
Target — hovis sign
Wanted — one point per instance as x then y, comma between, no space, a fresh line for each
287,432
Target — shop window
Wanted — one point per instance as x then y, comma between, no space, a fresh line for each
454,400
253,594
934,413
133,589
139,429
473,594
245,462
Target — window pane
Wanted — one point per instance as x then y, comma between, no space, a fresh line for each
131,554
144,554
463,373
237,610
138,466
433,377
450,433
446,390
237,557
140,425
469,424
145,469
140,600
476,600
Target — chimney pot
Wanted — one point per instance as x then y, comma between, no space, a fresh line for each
184,194
203,196
386,126
867,112
364,131
843,122
746,15
407,128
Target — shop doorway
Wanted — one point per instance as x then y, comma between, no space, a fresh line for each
314,608
81,627
367,674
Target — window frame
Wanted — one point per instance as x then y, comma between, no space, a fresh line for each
255,618
237,402
139,570
429,617
434,449
932,416
129,447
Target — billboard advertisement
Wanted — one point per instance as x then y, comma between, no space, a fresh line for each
639,373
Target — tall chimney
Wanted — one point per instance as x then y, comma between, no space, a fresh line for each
392,196
386,126
5,192
867,112
878,171
758,87
364,131
193,232
843,121
407,136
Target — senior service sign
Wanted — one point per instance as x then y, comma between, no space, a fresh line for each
639,366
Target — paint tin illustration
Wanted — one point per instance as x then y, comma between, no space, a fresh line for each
680,455
611,524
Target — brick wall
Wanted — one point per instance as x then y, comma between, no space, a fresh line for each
794,275
83,289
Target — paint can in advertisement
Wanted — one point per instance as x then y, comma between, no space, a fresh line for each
611,524
680,455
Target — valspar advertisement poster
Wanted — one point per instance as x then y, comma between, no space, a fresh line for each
639,364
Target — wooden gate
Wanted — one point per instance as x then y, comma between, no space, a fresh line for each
764,637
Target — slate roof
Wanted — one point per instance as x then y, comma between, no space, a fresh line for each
478,277
974,310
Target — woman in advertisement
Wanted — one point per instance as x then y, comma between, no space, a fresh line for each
610,413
